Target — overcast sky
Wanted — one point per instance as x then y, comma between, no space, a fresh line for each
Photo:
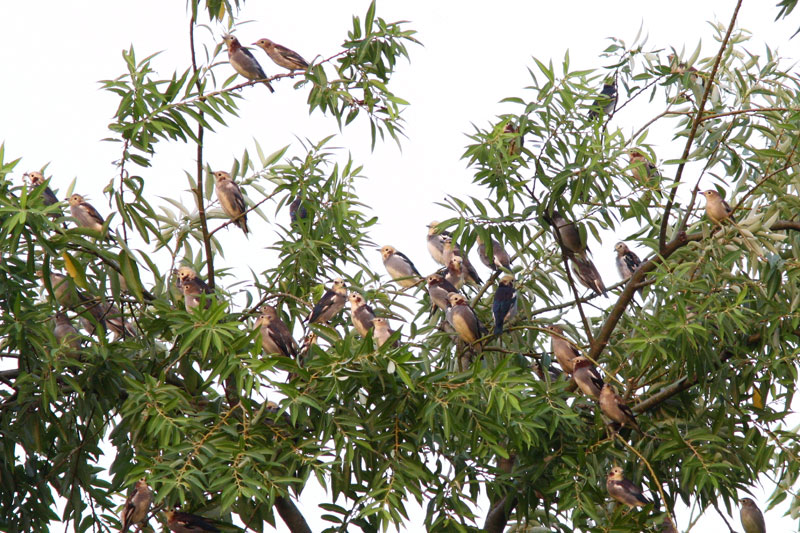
52,110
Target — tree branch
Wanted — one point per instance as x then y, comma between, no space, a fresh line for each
498,515
291,515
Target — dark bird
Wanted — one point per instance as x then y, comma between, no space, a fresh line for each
450,250
86,215
627,261
586,377
275,335
587,274
752,519
614,407
504,306
435,242
606,102
361,314
400,267
179,522
569,235
244,62
282,56
330,304
137,505
231,199
500,258
563,349
297,210
439,289
463,319
717,209
37,180
623,490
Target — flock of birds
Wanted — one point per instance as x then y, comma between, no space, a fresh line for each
444,288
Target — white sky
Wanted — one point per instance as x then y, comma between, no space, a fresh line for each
53,53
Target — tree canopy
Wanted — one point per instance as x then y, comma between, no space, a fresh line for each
129,341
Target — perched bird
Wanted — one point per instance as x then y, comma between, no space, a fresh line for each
627,261
606,102
330,304
500,258
37,180
192,286
86,215
455,274
137,505
449,250
275,335
623,490
717,209
400,267
504,306
361,314
108,316
439,289
244,62
615,408
463,319
65,332
282,56
382,331
179,522
587,274
679,67
297,209
752,519
569,235
586,377
308,341
231,199
64,289
564,350
516,143
435,242
643,169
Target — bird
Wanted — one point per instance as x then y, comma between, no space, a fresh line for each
455,272
449,250
400,267
297,210
275,335
361,314
504,306
438,289
188,275
192,287
65,333
500,258
330,304
137,505
179,522
623,490
717,209
587,274
37,179
382,331
679,67
564,350
577,252
643,169
513,147
627,261
586,377
435,243
606,102
463,319
108,316
752,519
282,56
231,199
244,62
615,408
64,290
85,214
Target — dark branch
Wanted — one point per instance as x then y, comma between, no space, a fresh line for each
497,518
291,515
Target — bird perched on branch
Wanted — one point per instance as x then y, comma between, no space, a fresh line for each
244,62
275,335
500,258
450,250
752,519
627,261
623,490
382,332
606,102
564,350
400,267
577,252
282,56
37,179
297,211
65,333
439,289
614,407
64,289
717,209
179,522
192,287
586,377
137,505
86,215
435,242
330,304
643,169
504,306
231,199
361,314
455,274
463,319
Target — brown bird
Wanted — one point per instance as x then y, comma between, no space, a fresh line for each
275,335
64,289
752,519
330,304
400,267
382,332
717,209
282,56
500,258
641,167
463,319
66,334
564,350
244,62
231,199
37,180
109,316
623,490
586,377
86,215
179,522
450,250
569,234
455,272
438,289
361,314
435,242
587,274
137,505
614,407
192,286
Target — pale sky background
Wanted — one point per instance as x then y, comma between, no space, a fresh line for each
54,53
